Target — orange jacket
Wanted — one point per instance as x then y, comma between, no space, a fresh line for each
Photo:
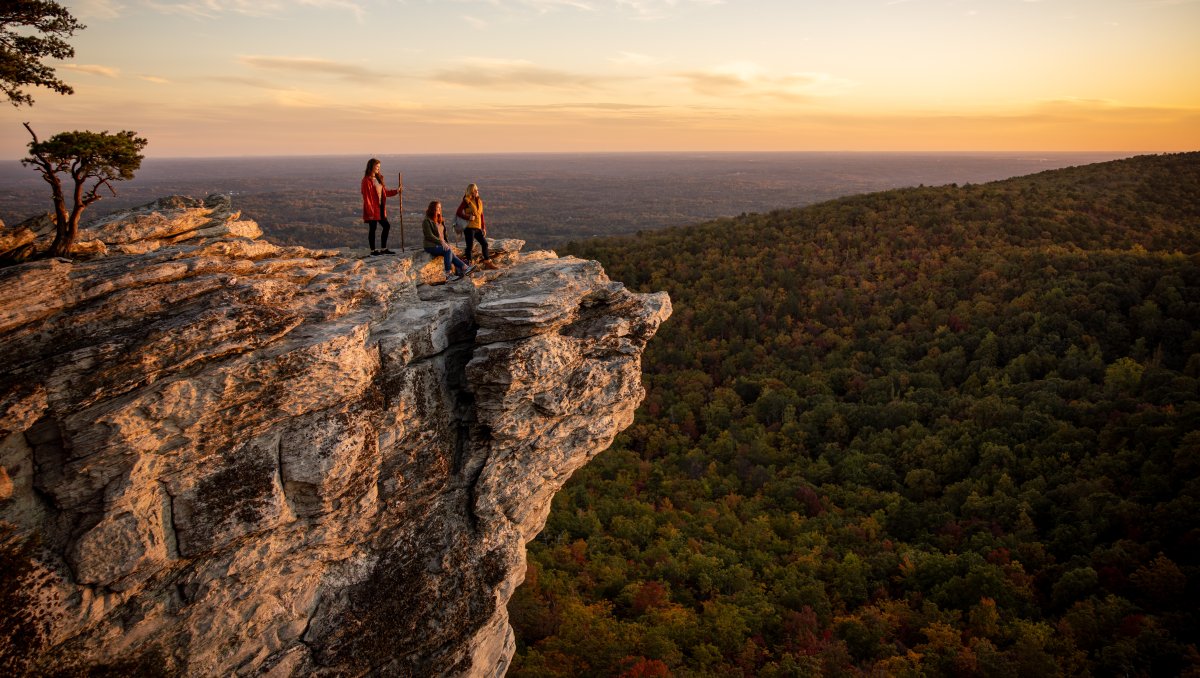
472,211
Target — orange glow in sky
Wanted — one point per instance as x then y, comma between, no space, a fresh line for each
285,77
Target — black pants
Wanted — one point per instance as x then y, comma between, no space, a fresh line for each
382,235
474,234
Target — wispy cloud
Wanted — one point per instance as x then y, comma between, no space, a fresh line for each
634,59
597,106
155,79
211,9
747,79
311,66
294,98
93,69
1076,108
538,6
1072,116
536,116
87,10
257,83
548,5
508,74
657,9
646,9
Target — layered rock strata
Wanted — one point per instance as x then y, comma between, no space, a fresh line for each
221,456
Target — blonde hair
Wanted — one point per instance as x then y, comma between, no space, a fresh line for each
470,189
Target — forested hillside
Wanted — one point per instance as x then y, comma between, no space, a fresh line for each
931,431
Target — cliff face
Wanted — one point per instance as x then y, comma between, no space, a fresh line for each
219,455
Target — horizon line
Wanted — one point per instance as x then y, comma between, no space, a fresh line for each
465,154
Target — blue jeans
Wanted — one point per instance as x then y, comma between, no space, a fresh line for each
448,257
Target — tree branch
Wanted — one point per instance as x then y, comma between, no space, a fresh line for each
31,132
92,196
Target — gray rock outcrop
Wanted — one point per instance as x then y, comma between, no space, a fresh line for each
221,456
162,223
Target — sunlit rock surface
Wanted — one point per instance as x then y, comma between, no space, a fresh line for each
221,456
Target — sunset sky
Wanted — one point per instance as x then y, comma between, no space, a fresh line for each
285,77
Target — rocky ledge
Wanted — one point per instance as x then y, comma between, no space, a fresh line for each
222,456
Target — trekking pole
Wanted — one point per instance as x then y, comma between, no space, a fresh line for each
401,182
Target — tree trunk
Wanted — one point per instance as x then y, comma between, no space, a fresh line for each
64,224
64,235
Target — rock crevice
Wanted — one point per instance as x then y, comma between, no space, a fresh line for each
224,456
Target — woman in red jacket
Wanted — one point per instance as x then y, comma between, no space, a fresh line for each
375,195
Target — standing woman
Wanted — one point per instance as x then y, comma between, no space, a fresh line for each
470,211
375,195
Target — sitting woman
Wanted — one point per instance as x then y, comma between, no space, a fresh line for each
435,241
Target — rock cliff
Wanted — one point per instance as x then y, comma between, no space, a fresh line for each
222,456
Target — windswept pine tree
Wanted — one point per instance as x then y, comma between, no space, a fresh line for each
933,431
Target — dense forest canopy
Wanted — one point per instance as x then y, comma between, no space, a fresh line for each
932,431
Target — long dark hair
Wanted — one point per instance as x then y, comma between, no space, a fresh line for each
432,209
370,165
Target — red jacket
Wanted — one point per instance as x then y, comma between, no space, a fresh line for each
375,196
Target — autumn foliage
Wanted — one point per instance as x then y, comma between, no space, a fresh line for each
931,431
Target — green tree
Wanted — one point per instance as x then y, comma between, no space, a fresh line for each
933,431
83,156
1123,376
21,53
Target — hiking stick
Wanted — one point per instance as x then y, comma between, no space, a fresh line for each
401,196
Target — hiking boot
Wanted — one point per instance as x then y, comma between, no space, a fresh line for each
386,251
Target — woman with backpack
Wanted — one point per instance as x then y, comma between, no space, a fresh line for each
470,214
